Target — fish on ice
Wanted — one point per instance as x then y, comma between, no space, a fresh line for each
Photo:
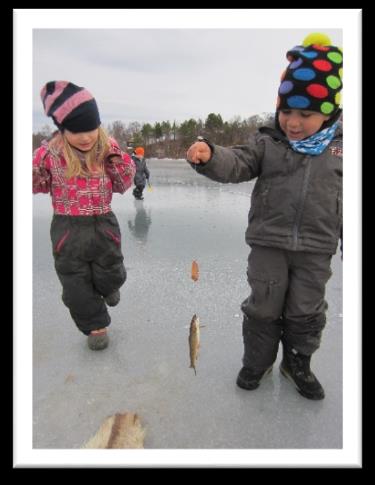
121,430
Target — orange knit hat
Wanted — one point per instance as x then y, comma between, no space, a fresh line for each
139,151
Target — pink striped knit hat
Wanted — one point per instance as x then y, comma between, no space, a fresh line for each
71,107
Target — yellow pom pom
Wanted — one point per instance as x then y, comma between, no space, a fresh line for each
316,38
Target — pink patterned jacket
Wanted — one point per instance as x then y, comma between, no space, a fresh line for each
83,195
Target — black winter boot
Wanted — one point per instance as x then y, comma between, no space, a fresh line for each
249,380
296,368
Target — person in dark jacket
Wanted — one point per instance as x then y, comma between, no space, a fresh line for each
295,218
142,174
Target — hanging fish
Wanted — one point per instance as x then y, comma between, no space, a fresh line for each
194,341
194,271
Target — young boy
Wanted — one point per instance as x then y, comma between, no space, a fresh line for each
142,172
295,218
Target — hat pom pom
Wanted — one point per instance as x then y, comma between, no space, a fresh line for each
316,38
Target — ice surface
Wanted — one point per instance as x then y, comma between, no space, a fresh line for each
146,367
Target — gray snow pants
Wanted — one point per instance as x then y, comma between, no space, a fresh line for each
89,265
286,303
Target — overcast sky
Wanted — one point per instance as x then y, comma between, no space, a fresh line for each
150,75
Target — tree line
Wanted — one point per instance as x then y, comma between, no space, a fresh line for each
171,140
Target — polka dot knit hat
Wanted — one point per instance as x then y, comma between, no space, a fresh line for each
313,79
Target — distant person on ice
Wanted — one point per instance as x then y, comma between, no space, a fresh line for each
142,174
295,218
80,166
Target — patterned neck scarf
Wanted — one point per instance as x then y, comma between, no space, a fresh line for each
315,144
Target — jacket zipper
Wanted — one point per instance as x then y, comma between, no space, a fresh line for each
301,203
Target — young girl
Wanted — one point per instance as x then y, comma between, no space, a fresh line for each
80,166
295,217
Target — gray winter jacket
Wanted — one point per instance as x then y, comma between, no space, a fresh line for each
296,203
142,172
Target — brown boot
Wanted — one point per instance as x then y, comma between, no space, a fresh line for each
113,299
98,339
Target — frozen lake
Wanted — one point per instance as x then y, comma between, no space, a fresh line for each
146,367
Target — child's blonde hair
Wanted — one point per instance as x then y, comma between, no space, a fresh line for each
93,159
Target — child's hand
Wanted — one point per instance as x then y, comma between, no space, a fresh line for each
199,152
